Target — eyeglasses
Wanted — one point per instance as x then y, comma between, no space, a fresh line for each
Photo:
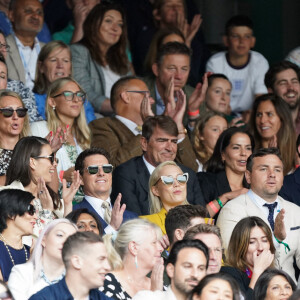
51,157
169,180
8,112
5,46
31,210
92,170
145,93
69,96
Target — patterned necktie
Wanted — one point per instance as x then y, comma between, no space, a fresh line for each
107,212
271,208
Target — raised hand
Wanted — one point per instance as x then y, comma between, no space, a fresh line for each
44,195
58,139
117,213
157,276
146,110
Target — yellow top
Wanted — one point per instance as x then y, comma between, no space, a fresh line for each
158,219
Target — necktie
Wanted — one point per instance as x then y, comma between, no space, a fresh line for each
271,208
107,213
139,129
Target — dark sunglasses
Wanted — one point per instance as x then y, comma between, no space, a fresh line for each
95,169
31,210
51,157
169,180
8,112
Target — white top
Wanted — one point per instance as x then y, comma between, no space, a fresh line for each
96,203
157,295
21,282
246,82
110,78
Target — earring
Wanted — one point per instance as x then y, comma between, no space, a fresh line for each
136,261
53,107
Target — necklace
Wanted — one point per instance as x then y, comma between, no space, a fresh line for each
6,246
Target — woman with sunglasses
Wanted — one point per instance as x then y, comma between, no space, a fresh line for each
45,266
13,126
65,109
167,189
32,168
17,219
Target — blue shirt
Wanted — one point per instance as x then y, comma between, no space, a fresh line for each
60,291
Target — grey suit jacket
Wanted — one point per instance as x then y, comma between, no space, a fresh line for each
14,62
242,207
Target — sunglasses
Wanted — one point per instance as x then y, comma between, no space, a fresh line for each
8,112
51,157
31,210
169,180
69,96
95,169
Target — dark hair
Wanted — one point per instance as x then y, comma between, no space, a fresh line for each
238,20
262,283
211,78
2,59
179,217
286,139
236,292
172,48
271,74
79,164
77,242
261,153
240,240
116,55
19,167
13,202
215,163
165,123
295,296
75,214
117,89
179,245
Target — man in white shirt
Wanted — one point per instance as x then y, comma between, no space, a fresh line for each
27,18
96,176
265,176
186,266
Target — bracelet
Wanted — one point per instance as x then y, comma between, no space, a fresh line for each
220,202
193,113
184,131
213,207
286,246
61,175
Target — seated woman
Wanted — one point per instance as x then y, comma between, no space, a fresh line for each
133,253
17,219
205,135
274,284
216,286
224,177
54,61
65,109
13,126
100,58
272,126
86,220
45,266
167,189
250,252
32,168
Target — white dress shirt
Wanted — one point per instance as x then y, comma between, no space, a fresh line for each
129,124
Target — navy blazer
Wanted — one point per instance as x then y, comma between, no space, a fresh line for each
85,204
131,179
290,190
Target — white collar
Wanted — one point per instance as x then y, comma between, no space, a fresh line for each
150,167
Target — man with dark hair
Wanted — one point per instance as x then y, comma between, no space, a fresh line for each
159,144
186,266
265,175
85,259
282,79
96,178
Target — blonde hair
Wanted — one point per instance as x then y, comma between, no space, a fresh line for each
130,231
80,129
155,202
6,93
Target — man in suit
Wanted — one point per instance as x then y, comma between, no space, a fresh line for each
120,135
96,176
265,176
27,18
159,143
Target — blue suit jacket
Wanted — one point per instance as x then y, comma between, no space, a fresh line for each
290,190
85,204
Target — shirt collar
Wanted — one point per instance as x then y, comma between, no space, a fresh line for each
96,203
148,165
20,44
129,124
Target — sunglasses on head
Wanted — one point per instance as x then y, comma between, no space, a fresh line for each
8,112
31,210
95,169
51,157
169,180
